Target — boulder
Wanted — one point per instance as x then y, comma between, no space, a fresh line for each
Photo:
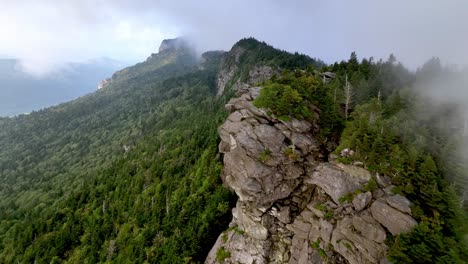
361,200
383,180
335,182
251,227
395,221
369,228
359,173
284,215
354,247
399,202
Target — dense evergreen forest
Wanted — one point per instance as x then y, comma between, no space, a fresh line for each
131,173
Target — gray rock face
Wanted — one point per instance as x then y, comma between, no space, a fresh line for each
383,180
369,228
173,44
289,208
254,153
399,202
362,200
256,75
334,181
395,221
355,247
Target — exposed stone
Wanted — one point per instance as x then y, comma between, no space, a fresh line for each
361,200
173,44
333,181
260,74
395,221
359,173
288,209
354,247
400,202
284,215
317,212
326,229
388,189
379,193
247,224
369,228
104,83
382,180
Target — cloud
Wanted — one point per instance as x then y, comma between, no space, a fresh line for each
46,34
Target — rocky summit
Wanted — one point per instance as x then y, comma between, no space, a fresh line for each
297,205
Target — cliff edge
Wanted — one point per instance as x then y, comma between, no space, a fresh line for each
294,205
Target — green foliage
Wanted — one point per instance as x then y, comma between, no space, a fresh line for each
347,198
301,94
370,186
320,207
255,53
265,155
395,143
347,245
283,101
224,237
328,215
291,153
72,193
222,254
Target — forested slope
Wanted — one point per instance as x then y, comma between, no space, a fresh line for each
131,173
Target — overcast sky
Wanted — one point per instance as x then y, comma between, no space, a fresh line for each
45,34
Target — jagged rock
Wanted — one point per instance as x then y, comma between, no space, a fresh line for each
399,202
104,83
172,44
388,190
326,229
359,173
284,215
335,182
299,126
379,193
261,74
361,200
243,249
315,211
383,180
354,247
369,228
304,142
299,251
228,72
395,221
249,225
288,209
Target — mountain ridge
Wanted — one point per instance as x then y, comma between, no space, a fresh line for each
133,172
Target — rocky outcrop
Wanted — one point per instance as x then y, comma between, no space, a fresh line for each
229,73
294,206
104,83
172,44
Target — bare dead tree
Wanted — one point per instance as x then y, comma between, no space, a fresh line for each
348,91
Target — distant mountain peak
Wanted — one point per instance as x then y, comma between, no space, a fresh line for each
173,44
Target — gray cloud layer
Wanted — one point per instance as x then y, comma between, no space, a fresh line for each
46,33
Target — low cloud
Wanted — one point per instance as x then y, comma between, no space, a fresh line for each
46,34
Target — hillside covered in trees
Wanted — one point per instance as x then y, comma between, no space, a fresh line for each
131,173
